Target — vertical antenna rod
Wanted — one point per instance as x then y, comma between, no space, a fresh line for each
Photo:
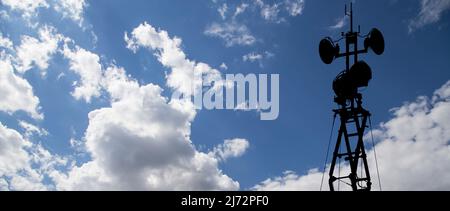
351,17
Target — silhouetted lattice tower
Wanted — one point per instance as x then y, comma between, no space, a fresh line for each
349,100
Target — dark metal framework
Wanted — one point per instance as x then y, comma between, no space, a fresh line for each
351,114
355,154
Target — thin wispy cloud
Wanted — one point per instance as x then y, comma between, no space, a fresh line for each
232,33
340,23
223,10
430,12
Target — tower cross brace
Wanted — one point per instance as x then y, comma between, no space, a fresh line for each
354,152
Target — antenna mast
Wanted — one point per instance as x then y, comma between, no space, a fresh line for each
353,117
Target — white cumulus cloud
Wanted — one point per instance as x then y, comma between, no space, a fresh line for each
5,42
87,65
16,93
23,164
27,7
33,51
141,142
31,129
72,9
231,148
184,72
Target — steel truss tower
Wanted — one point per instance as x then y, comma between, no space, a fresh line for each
353,117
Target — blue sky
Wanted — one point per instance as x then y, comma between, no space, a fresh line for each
415,63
